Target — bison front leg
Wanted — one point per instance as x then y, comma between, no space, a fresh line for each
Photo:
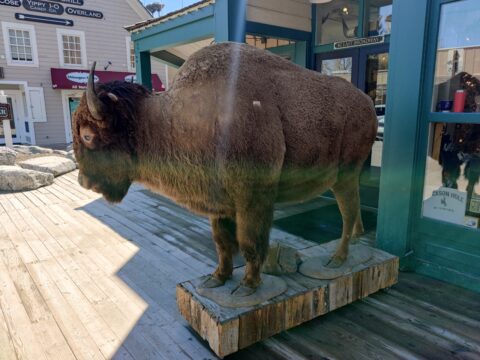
223,231
347,193
253,229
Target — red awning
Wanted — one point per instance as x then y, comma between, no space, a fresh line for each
77,79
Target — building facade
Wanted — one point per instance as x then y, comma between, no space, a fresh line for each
419,61
46,49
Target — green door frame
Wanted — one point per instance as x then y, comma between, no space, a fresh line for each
446,251
407,58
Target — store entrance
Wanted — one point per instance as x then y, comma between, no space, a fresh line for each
17,124
366,68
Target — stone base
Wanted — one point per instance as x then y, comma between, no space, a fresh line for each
55,165
228,330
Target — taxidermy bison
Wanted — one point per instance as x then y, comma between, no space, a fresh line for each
239,130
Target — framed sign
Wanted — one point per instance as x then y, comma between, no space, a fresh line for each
5,112
44,19
84,12
374,40
69,2
14,3
43,7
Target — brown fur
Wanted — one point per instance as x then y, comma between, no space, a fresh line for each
240,130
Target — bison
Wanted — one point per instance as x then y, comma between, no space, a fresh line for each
239,130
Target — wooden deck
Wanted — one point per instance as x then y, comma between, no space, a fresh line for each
80,279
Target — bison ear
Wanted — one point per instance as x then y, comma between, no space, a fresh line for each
95,105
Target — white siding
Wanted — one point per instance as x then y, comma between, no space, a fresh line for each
105,41
293,14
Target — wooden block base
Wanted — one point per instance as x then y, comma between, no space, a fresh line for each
229,330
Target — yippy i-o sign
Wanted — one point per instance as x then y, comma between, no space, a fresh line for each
5,112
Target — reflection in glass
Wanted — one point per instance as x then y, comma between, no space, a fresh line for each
376,78
338,67
380,17
457,71
452,188
337,21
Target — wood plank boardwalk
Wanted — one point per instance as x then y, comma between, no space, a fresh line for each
81,279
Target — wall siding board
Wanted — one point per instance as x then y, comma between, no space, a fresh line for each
294,14
105,41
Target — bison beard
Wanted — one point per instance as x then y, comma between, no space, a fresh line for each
229,142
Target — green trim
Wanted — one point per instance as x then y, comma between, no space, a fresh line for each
187,33
167,58
205,12
407,49
144,68
463,118
363,15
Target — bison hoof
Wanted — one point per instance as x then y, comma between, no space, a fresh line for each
212,282
242,291
335,262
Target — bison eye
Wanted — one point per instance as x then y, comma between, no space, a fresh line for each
87,138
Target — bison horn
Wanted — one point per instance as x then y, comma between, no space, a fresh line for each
95,105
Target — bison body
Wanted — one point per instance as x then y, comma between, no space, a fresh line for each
239,130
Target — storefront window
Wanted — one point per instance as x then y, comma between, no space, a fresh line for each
337,21
380,17
338,67
457,74
452,187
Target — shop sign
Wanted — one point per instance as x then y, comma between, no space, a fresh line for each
359,42
78,79
447,205
15,3
5,112
70,2
43,7
84,12
44,19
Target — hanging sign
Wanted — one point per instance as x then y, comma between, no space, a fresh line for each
70,2
15,3
84,12
5,112
44,19
43,7
359,42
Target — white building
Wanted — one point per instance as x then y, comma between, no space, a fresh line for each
46,49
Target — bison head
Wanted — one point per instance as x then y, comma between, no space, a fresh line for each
104,136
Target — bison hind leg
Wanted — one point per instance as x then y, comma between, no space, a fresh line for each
224,235
347,193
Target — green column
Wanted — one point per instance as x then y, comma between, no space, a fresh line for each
407,48
230,20
144,68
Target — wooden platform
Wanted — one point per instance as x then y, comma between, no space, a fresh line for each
228,330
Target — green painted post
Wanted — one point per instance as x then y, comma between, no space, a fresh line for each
407,48
230,20
144,67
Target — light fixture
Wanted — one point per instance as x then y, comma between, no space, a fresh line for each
345,10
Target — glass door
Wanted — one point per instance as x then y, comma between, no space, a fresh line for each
366,68
450,139
15,102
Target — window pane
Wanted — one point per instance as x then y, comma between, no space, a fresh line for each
337,21
452,188
338,67
457,71
380,20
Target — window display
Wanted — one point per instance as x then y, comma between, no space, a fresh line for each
452,181
452,187
457,74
